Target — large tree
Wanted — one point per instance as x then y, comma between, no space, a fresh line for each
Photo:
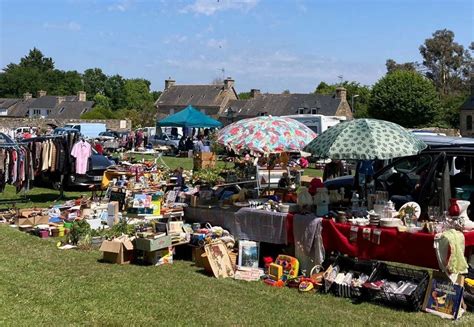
392,66
94,82
446,61
114,89
361,93
406,98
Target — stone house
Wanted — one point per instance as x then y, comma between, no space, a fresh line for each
46,106
210,99
263,104
467,114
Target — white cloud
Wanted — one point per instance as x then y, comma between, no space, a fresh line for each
210,7
277,70
177,38
216,44
121,6
70,26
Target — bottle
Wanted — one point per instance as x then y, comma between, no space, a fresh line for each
355,201
454,210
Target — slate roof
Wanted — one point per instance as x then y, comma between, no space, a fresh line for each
20,109
284,104
44,102
70,109
195,95
6,103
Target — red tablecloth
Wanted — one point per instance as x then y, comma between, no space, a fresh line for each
415,249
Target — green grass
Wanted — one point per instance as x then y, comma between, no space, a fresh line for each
42,285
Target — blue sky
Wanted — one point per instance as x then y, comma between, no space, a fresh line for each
272,45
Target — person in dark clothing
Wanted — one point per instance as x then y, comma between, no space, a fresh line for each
189,144
182,143
333,169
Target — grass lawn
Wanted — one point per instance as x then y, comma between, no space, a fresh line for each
42,285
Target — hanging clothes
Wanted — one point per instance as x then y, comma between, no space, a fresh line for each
82,152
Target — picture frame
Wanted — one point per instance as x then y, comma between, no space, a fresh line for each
249,252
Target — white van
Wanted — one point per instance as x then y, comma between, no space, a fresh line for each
317,123
89,130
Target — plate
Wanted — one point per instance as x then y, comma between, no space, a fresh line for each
410,204
242,204
390,222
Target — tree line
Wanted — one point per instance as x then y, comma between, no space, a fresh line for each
115,97
415,94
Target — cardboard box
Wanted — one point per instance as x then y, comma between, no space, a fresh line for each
148,244
119,250
21,221
41,220
160,257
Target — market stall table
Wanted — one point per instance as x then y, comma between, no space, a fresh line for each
403,247
246,223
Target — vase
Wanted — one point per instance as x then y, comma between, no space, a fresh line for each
454,210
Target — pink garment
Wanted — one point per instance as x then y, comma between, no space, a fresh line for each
82,152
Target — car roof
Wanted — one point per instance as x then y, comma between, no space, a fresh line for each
446,141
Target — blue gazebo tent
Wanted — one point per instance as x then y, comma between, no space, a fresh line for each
189,118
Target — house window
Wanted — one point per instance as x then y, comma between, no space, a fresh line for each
84,111
48,112
36,112
300,111
3,112
61,110
314,111
172,111
469,123
265,113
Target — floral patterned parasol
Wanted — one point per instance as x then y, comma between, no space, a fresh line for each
266,134
365,139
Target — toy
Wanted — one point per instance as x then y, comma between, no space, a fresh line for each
275,272
267,261
289,264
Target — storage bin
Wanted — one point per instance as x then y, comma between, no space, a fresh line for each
358,267
412,301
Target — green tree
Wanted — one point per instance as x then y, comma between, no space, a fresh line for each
100,113
244,95
137,93
94,82
361,102
406,98
114,89
447,63
156,95
392,66
102,101
35,59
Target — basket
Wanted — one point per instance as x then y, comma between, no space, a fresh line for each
356,266
411,302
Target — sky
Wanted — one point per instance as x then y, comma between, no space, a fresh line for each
271,45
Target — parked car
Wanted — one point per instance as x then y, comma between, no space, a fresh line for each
168,140
112,134
444,168
64,130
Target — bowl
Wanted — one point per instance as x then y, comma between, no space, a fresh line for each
390,222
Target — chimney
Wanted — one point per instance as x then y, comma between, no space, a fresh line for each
81,96
60,99
228,83
169,83
341,93
40,94
254,93
27,96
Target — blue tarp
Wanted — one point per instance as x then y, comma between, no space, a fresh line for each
189,117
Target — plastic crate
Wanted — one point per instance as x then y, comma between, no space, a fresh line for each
358,267
392,273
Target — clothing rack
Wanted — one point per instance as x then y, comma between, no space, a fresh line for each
24,198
